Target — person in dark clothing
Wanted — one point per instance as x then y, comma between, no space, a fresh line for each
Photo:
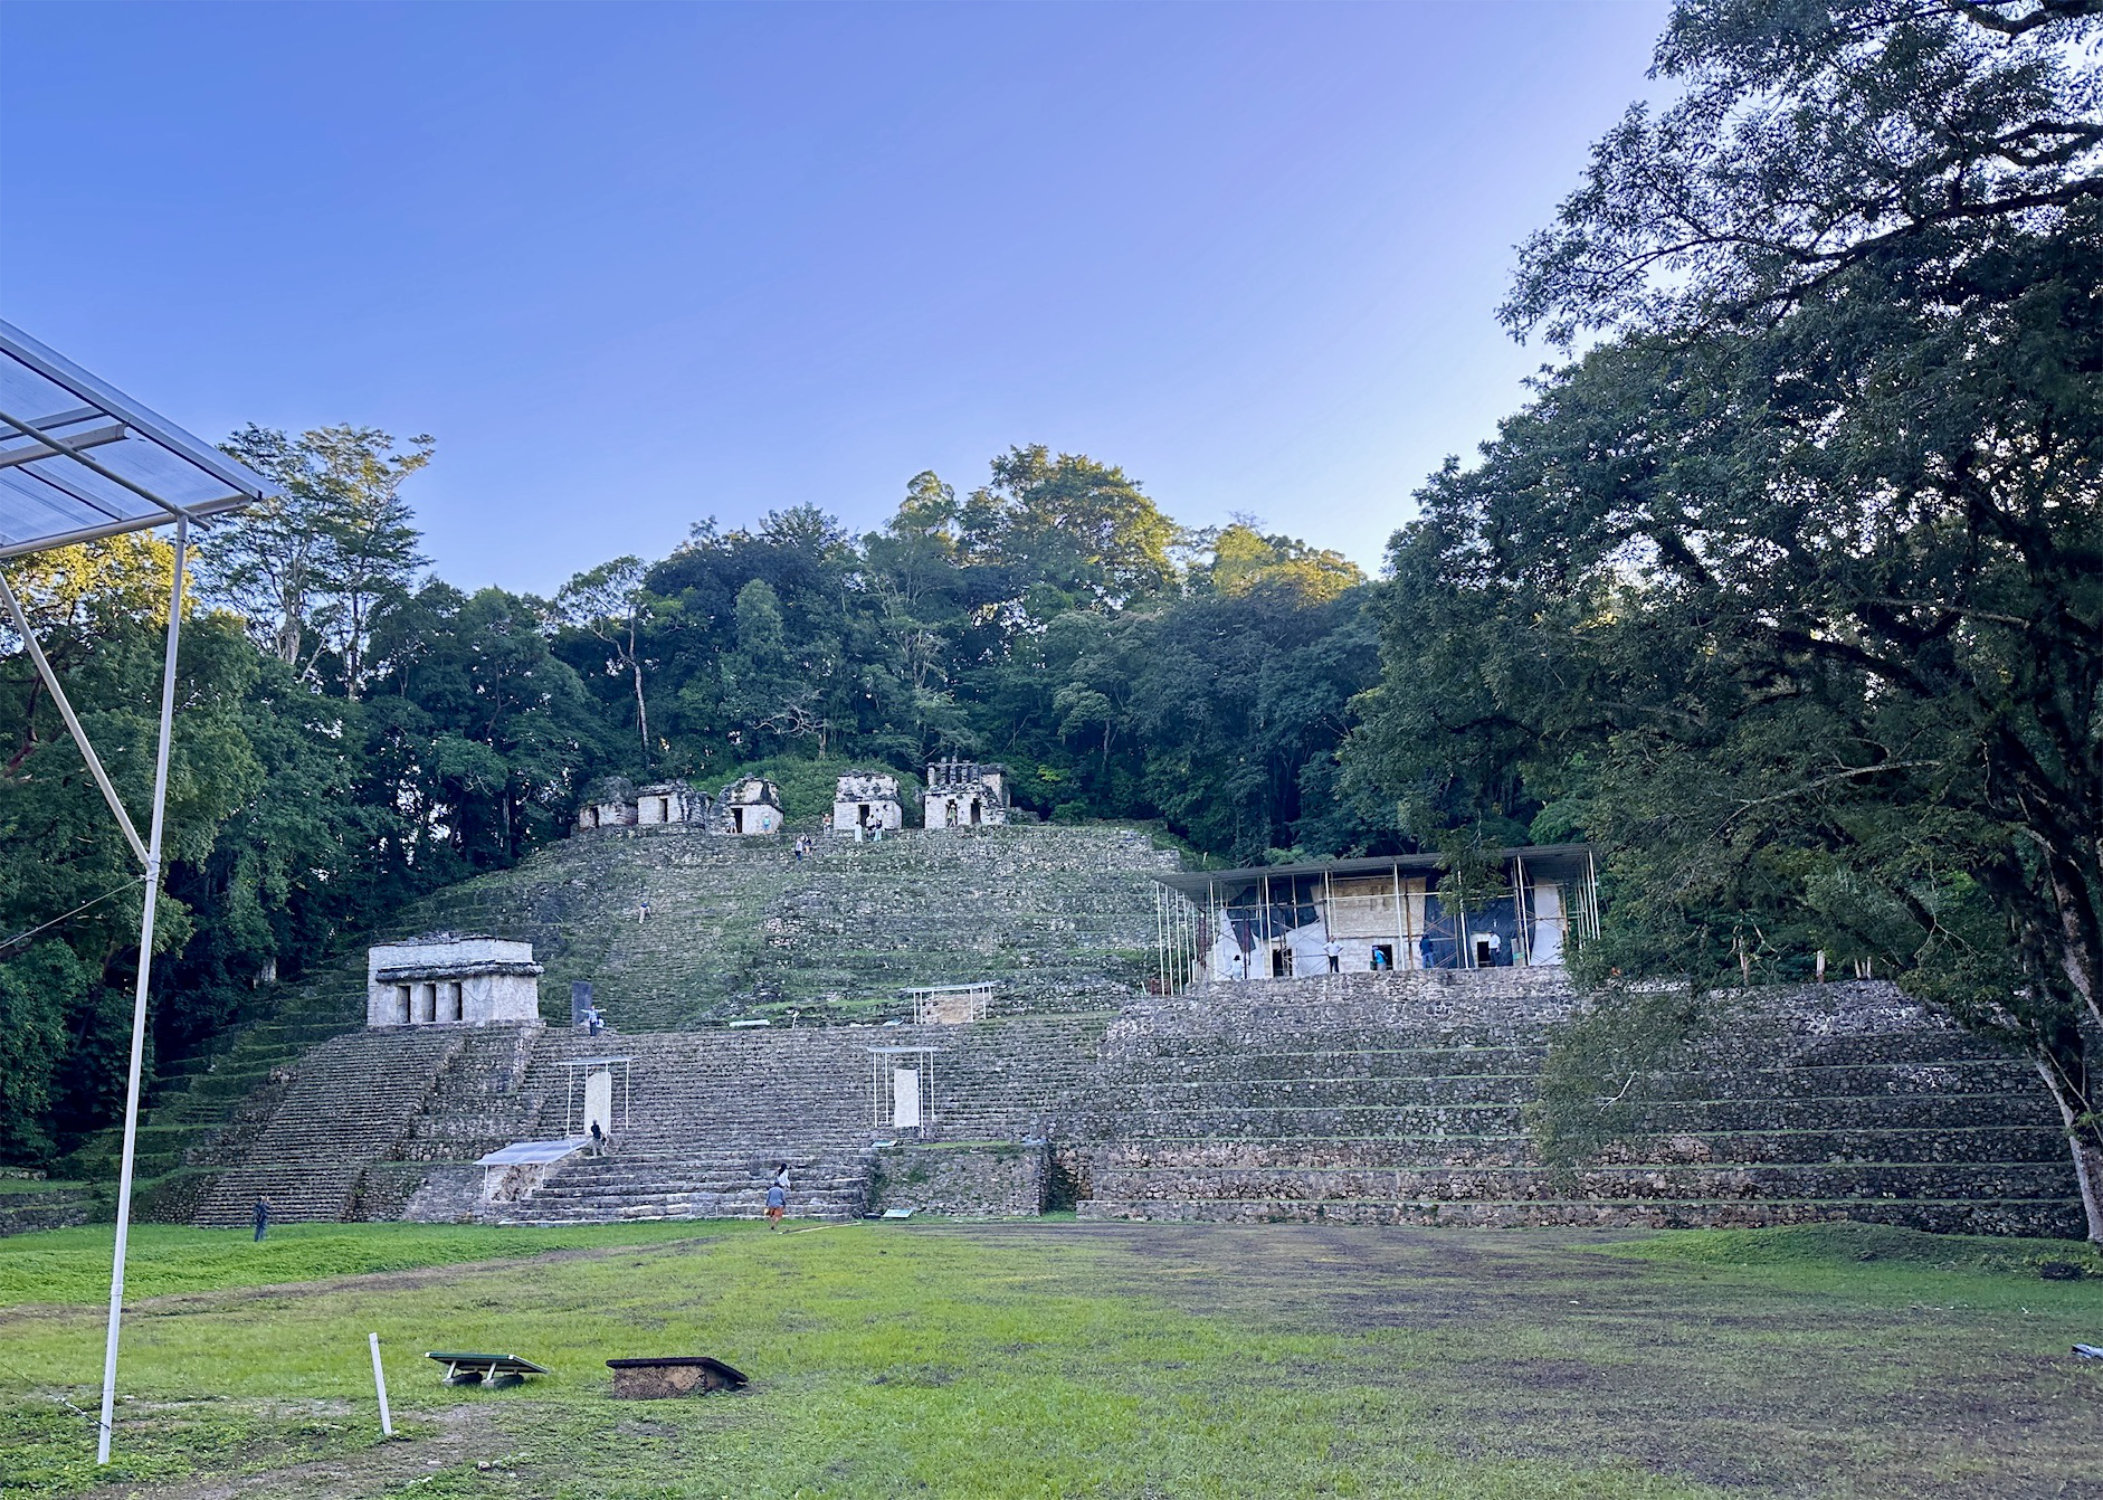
262,1218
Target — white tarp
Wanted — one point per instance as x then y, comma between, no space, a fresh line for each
598,1102
905,1097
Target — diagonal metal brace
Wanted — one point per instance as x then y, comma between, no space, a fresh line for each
80,735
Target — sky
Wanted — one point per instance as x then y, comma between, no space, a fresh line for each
634,266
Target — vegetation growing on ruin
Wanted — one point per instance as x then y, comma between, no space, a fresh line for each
357,733
1788,592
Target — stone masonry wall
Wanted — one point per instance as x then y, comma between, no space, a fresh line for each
963,1180
1401,1099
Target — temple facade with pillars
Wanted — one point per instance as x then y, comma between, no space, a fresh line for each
448,979
1374,915
964,794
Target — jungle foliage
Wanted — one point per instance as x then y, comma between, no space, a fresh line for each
354,731
1789,590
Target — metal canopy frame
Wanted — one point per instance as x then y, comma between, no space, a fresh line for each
81,461
570,1066
883,1063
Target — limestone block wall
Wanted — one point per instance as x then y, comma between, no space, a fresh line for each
348,1104
1401,1098
1062,919
962,1180
1369,1099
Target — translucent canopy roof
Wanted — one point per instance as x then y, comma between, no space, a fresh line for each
80,460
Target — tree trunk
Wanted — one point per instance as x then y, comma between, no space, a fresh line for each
2088,1171
642,714
2087,1151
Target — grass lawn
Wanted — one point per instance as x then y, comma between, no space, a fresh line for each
1064,1359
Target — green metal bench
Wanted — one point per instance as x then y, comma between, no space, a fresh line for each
492,1371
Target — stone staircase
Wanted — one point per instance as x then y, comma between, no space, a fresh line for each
1061,917
1400,1099
709,1114
348,1103
203,1107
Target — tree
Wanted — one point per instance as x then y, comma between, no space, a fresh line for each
1790,592
1077,526
310,570
609,603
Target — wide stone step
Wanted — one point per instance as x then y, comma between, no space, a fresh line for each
2061,1219
1987,1144
1905,1180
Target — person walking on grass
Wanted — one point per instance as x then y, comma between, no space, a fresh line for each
262,1218
777,1200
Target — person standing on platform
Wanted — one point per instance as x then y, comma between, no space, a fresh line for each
1335,952
262,1218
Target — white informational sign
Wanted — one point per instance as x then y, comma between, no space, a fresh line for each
905,1097
598,1102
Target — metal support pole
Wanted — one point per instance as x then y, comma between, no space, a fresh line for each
138,1008
65,711
1402,954
1522,955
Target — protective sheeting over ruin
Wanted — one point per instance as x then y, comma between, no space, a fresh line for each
864,802
751,804
964,794
1351,916
447,979
79,459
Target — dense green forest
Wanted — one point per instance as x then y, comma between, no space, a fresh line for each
355,731
1785,588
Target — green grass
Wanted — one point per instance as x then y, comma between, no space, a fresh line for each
1841,1246
72,1266
1059,1359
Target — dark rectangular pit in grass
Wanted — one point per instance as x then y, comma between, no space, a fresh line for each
672,1375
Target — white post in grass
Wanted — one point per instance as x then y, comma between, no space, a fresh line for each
138,1007
379,1380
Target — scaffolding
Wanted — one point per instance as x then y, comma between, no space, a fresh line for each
1385,914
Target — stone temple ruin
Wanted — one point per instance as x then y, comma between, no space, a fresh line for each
866,801
1352,1041
441,979
751,804
964,794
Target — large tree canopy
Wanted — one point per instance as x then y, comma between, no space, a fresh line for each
1790,591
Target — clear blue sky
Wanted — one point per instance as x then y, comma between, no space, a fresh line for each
637,265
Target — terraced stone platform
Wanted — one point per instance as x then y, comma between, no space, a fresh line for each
1061,917
1400,1099
1361,1099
